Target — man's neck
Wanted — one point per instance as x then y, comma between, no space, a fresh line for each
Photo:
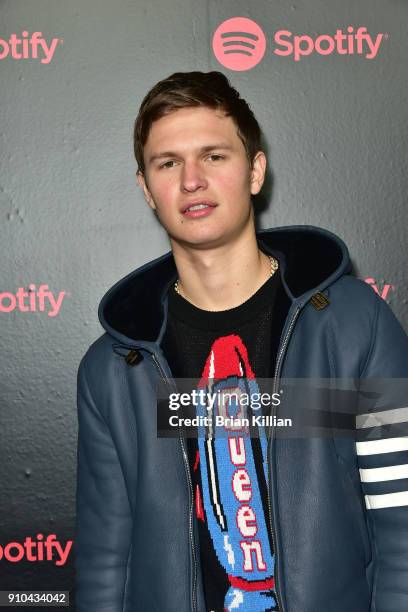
222,277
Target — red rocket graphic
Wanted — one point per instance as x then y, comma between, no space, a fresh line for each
228,357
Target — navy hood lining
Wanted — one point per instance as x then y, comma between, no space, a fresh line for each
134,307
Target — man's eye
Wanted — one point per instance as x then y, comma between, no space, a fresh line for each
216,156
167,164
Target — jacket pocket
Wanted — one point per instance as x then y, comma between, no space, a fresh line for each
355,501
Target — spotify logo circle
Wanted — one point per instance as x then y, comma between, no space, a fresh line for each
239,43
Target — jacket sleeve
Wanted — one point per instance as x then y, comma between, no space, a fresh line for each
103,517
382,452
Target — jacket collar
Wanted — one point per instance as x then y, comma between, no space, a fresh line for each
135,308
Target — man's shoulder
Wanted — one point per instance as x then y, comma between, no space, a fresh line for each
351,316
361,319
352,294
98,360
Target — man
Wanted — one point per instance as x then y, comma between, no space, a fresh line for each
236,522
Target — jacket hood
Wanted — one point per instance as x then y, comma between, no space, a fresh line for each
135,308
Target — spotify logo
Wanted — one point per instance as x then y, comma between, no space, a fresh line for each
239,43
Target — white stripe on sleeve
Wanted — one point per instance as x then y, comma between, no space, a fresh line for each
388,500
385,417
393,472
385,445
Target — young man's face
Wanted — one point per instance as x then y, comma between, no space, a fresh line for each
194,156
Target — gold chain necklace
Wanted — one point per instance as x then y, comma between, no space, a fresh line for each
273,262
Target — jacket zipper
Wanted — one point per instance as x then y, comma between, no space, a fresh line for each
191,494
269,446
187,467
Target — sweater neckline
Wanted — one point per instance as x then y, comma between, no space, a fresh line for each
188,313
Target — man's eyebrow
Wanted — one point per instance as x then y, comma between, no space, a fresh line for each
220,145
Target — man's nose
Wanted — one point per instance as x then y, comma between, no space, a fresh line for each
193,176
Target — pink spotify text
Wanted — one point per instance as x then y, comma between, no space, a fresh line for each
36,550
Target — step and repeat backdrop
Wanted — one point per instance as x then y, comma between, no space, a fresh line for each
327,82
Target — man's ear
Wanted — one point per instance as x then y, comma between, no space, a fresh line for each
258,172
142,183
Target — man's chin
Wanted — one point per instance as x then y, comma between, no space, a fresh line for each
202,241
204,236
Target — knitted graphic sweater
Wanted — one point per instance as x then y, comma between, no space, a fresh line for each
234,349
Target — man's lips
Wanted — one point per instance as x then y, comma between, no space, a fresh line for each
199,203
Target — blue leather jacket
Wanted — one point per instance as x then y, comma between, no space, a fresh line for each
339,509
